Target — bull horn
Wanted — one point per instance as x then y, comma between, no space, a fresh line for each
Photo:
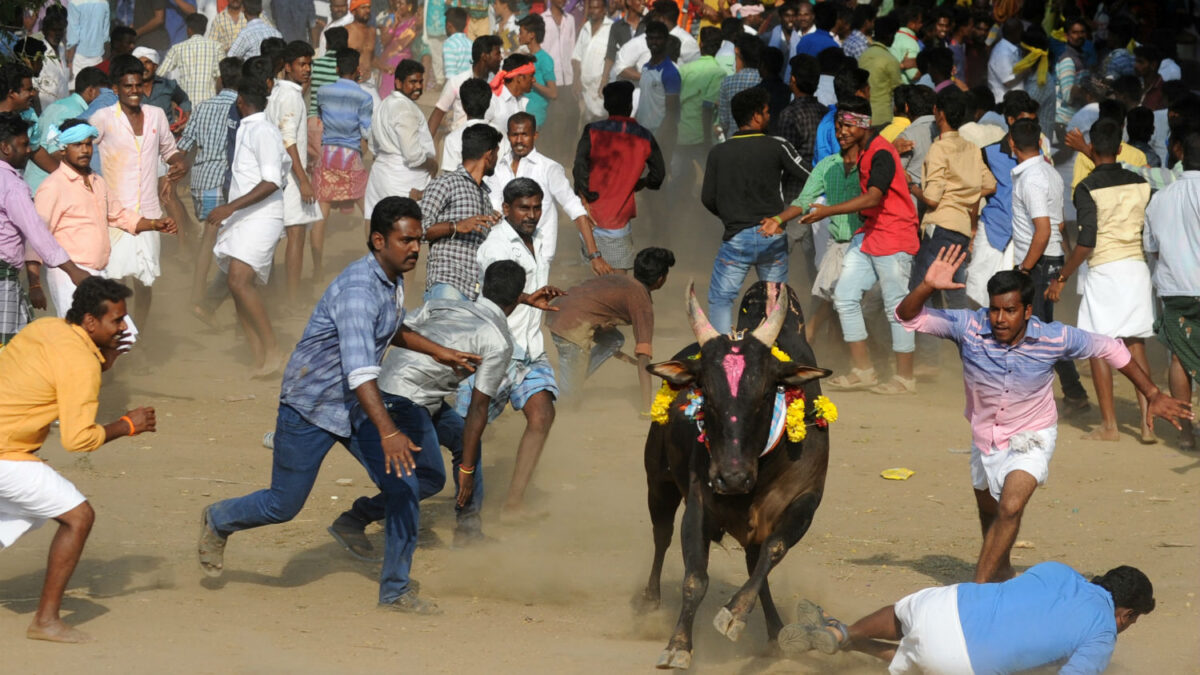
769,329
700,324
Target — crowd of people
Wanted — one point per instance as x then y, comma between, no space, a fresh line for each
926,161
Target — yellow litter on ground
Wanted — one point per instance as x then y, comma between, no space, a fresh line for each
899,473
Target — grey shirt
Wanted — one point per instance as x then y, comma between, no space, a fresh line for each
921,132
478,327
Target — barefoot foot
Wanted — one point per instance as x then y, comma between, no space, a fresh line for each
272,363
1103,434
56,631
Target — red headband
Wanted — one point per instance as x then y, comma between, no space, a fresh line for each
506,75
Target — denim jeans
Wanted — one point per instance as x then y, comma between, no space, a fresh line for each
448,427
1046,270
443,291
938,238
574,366
401,494
768,256
859,273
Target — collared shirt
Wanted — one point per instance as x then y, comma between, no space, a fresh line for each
402,142
1110,206
478,327
827,142
346,20
996,215
559,43
658,82
552,178
167,94
1067,72
131,162
225,29
885,77
921,132
449,101
52,116
1009,388
286,110
324,71
1171,233
196,62
456,54
1000,69
295,18
831,178
345,113
249,40
1037,193
208,129
80,218
259,156
49,371
449,198
346,336
1084,165
731,86
503,106
525,322
589,56
955,176
54,82
700,89
20,225
786,45
855,44
906,45
87,27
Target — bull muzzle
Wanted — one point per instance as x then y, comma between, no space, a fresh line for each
732,478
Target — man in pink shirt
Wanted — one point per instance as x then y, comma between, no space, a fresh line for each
1008,360
76,205
132,138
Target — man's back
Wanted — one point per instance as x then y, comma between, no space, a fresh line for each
885,77
604,302
700,85
1111,206
1171,232
742,179
345,113
609,163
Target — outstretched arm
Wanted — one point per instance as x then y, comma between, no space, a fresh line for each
1159,404
940,277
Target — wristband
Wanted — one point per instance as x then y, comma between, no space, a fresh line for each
391,435
1061,279
463,469
777,219
594,256
128,421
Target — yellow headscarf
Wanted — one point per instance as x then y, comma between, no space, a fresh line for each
1039,56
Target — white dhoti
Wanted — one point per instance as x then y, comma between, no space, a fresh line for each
933,641
62,294
82,62
250,240
295,210
134,255
985,262
30,494
392,177
1117,300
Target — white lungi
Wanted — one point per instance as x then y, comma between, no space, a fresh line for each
985,262
62,294
295,210
30,494
391,177
933,641
134,255
1117,300
250,240
1028,451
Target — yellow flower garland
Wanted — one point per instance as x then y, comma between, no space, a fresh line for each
662,404
796,429
826,410
779,354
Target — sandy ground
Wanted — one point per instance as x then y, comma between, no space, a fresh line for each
553,597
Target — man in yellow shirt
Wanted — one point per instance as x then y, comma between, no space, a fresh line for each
51,370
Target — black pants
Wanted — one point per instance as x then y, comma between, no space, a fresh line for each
1045,271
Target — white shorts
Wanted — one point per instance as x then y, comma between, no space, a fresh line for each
30,494
985,261
134,255
1028,451
62,294
933,641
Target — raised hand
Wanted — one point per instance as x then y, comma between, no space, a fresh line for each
940,275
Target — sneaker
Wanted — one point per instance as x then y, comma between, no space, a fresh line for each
411,603
352,538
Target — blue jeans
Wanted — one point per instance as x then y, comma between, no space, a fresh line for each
1047,269
448,427
574,366
443,291
859,273
769,257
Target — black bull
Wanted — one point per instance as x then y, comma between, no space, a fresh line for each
768,503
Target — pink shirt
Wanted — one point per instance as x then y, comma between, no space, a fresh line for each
130,163
80,218
1010,388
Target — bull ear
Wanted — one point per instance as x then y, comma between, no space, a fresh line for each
795,374
674,372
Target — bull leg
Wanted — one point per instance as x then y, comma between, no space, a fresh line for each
695,543
795,522
774,622
663,499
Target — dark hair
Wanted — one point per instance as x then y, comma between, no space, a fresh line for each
1106,137
254,94
956,105
710,40
196,22
1174,90
253,7
1017,102
772,63
1139,123
11,126
92,297
29,47
478,140
900,96
1035,36
347,61
920,101
731,28
1007,281
231,72
830,60
336,38
125,64
119,32
534,23
456,17
651,264
387,212
1026,135
850,80
806,73
71,123
1070,23
862,14
750,48
854,104
273,48
90,77
522,118
1130,588
520,188
885,30
503,282
1191,151
941,63
1120,32
1128,88
296,49
747,102
667,11
656,27
484,44
983,98
824,16
618,97
913,12
407,68
11,77
514,61
1111,109
55,19
257,69
476,97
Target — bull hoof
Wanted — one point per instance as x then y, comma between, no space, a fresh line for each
728,625
645,602
674,659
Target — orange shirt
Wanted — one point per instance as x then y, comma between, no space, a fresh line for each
80,218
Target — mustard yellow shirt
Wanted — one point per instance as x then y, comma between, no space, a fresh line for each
894,128
49,371
1084,165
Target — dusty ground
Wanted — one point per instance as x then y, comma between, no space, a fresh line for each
552,597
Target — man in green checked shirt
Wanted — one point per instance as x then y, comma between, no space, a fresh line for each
835,177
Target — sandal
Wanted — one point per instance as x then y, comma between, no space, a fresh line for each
855,381
830,638
897,385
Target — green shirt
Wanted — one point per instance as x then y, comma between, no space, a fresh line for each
324,71
829,177
543,74
700,89
885,77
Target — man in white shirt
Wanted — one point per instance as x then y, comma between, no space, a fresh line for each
405,157
253,221
636,53
509,87
476,98
339,17
485,61
587,60
1005,55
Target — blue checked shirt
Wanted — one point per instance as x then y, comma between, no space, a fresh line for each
249,41
730,87
347,334
208,129
345,113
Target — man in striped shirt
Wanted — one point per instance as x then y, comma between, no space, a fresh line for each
1008,370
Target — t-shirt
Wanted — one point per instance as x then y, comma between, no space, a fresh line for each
658,82
543,74
890,227
700,87
602,303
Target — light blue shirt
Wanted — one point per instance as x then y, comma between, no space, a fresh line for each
345,111
87,27
54,115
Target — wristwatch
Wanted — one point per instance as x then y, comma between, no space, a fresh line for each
593,256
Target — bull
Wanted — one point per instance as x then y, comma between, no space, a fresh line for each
715,449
